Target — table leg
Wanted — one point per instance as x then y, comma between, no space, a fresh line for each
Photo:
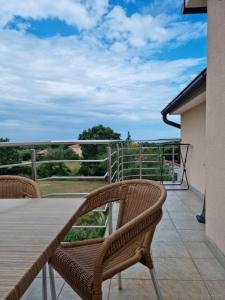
52,282
44,283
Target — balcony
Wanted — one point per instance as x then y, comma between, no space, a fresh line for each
185,265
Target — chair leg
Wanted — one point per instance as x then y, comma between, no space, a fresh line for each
52,282
155,283
119,282
44,283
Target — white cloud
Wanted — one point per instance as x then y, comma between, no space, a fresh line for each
60,82
145,30
64,75
83,14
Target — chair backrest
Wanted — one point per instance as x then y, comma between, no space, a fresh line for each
18,187
140,211
141,195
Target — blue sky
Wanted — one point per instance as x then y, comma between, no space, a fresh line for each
67,65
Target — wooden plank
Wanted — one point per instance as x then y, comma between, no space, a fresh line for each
30,231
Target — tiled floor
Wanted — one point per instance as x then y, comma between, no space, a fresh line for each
185,266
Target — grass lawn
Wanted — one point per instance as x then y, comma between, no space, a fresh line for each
73,166
69,186
94,218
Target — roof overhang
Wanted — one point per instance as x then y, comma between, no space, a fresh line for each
195,88
195,7
193,102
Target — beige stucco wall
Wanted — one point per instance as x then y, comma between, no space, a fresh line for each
193,133
215,124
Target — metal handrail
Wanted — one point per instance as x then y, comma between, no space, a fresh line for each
71,177
117,159
49,143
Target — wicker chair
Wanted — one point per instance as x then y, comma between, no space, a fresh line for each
18,187
86,264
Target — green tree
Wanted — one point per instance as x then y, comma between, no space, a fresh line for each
98,132
128,136
10,155
56,169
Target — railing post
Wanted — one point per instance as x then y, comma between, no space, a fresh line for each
110,181
140,161
34,166
118,162
122,160
173,162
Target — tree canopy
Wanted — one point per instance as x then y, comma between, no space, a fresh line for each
98,132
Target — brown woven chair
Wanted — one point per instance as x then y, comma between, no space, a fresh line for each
18,187
86,264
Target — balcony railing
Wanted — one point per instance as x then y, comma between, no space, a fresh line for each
161,160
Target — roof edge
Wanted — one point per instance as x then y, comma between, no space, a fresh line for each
193,10
184,95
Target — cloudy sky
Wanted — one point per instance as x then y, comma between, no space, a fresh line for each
67,65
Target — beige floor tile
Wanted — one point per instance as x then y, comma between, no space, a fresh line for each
177,207
35,290
196,209
138,271
69,294
169,249
176,268
165,214
166,235
183,290
192,235
165,224
188,224
132,290
179,215
210,269
198,250
216,289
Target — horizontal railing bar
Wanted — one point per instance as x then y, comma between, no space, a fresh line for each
89,226
69,161
143,175
141,168
163,142
16,165
71,194
133,149
70,177
79,142
143,161
93,226
63,194
39,162
141,154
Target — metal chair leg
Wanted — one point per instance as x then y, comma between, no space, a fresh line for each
119,282
155,283
44,284
52,282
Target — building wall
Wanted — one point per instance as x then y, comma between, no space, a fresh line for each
193,133
215,125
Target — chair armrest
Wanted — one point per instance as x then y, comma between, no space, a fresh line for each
81,243
107,194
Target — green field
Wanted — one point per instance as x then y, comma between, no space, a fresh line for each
94,218
73,166
69,186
